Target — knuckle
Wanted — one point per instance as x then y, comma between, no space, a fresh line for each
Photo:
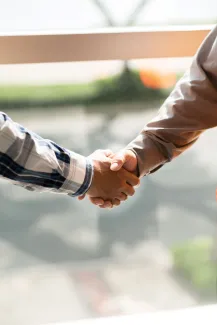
123,184
137,181
120,174
131,192
125,197
116,202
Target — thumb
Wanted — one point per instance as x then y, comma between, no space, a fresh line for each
81,197
108,153
117,161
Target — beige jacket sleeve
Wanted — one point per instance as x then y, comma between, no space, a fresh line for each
190,109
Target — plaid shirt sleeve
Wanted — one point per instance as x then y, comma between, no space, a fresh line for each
38,164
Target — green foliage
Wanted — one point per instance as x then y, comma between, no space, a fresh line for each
45,96
195,261
125,87
46,92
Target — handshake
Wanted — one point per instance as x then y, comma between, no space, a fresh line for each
114,177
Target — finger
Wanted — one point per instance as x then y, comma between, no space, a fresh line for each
116,202
81,197
106,205
122,197
117,161
128,190
108,153
96,200
137,186
100,154
131,178
125,158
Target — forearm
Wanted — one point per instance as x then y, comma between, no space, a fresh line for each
190,109
32,162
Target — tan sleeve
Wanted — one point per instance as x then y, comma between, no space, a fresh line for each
190,109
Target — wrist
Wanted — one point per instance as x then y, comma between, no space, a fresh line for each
89,174
95,175
136,171
133,158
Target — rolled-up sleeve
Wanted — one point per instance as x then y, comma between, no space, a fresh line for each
41,165
190,109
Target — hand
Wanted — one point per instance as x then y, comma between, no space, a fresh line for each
126,159
108,185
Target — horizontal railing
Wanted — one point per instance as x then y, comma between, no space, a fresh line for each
110,44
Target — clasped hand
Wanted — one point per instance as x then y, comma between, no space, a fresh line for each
114,177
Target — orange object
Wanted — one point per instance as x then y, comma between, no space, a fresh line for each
157,80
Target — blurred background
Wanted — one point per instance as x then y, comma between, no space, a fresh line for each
61,259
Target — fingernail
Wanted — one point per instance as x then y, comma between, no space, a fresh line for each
114,165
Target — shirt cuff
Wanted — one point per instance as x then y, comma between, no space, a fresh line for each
149,155
81,176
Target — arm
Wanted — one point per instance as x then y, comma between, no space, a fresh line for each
190,109
38,164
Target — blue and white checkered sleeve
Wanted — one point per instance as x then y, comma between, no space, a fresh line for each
38,164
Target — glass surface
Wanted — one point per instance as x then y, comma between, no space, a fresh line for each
27,15
62,259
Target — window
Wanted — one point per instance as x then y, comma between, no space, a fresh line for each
71,14
64,260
